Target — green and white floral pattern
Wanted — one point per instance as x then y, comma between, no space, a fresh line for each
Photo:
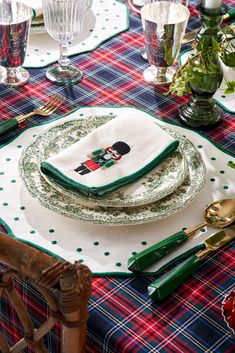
70,207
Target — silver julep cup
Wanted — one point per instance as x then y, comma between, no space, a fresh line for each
164,24
15,20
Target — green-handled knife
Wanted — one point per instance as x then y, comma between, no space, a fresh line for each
140,261
220,213
164,285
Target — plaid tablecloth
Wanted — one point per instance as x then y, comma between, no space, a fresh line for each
122,317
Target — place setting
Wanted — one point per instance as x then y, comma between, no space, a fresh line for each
124,213
44,34
104,19
117,174
105,174
111,177
40,39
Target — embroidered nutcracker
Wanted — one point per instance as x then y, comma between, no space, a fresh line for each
103,158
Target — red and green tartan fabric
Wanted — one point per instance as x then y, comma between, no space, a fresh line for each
122,318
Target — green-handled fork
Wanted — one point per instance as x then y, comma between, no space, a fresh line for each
45,110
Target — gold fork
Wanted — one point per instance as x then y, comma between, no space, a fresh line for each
45,110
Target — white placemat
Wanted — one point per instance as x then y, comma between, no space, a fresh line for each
104,20
226,101
104,249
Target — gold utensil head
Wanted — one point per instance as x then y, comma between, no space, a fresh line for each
220,213
216,240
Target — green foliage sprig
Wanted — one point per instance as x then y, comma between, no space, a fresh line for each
200,64
231,164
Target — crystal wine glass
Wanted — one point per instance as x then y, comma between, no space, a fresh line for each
63,21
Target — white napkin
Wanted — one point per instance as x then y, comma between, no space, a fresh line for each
36,6
115,154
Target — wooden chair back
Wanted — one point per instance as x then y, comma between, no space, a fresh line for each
65,286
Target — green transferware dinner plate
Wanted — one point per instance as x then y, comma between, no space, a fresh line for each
51,198
155,185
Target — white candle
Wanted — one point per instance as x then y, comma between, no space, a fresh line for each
212,4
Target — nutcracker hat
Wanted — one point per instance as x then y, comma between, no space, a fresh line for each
121,147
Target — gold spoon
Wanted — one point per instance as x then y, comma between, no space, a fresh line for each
219,214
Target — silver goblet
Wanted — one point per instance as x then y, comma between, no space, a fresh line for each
164,24
15,18
136,5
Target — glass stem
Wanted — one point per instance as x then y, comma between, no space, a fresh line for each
64,60
161,73
11,74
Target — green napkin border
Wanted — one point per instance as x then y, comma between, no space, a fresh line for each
71,184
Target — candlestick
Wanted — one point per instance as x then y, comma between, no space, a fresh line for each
211,19
201,111
211,4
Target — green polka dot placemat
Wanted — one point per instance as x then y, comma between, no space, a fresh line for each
105,249
226,101
104,19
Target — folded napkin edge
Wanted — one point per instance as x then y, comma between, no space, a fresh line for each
68,183
34,14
